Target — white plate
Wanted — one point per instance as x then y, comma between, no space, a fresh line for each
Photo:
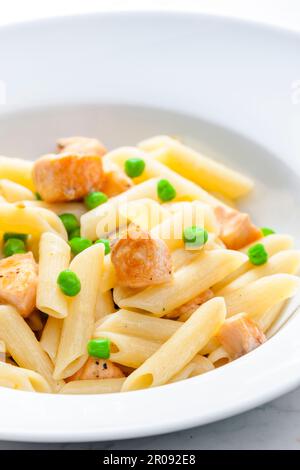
226,86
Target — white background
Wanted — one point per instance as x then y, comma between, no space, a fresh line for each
272,426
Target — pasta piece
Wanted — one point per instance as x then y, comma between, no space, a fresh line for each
104,304
23,346
268,319
219,357
144,213
199,365
273,244
261,295
13,192
17,170
130,351
188,282
210,221
54,257
18,282
239,336
35,221
67,176
82,145
208,173
108,276
137,324
185,311
287,261
180,349
141,260
211,346
18,378
75,208
104,219
78,325
91,387
51,337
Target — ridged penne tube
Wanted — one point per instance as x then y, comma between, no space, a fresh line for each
272,243
22,344
261,295
18,378
122,292
54,257
186,189
145,213
104,218
18,218
78,325
208,173
51,336
75,208
199,365
200,274
137,324
266,320
130,351
92,387
13,192
180,349
219,357
172,228
17,170
181,257
108,276
287,261
104,305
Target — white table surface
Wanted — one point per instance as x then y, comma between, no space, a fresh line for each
275,425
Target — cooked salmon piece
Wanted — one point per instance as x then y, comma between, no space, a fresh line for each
18,282
96,368
236,228
141,260
185,311
67,177
240,335
81,145
116,182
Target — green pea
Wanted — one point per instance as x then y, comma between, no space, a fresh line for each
257,254
70,222
194,236
95,199
20,236
69,283
267,231
75,233
79,244
134,167
106,245
165,190
99,347
13,246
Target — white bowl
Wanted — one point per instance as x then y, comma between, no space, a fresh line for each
228,87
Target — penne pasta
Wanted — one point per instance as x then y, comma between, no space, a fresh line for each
181,347
208,173
17,170
18,378
91,387
13,192
78,325
54,257
208,268
51,336
199,365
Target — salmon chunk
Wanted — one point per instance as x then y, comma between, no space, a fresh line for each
67,177
236,227
81,145
116,182
185,311
140,260
238,336
18,282
96,368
